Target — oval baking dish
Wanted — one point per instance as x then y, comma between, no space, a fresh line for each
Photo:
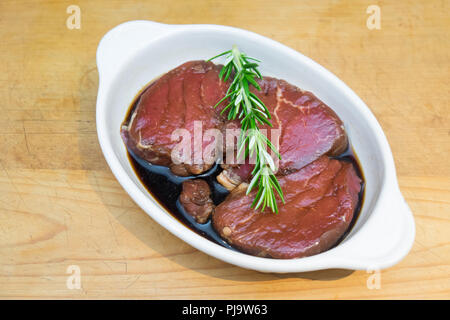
133,53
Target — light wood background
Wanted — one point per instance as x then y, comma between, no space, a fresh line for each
60,205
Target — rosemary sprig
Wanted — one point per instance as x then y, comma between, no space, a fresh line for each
247,107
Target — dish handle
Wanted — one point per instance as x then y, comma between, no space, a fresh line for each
122,41
385,238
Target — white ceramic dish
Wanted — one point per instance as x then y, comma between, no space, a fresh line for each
134,53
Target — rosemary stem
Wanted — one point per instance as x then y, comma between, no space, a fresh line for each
251,110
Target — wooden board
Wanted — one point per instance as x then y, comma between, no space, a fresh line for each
60,205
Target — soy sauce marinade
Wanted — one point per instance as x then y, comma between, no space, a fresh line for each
165,187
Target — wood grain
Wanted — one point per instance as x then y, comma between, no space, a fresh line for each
60,205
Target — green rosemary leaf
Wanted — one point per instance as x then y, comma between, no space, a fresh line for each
219,55
250,79
228,74
250,65
250,58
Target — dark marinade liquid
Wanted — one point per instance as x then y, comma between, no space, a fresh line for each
165,187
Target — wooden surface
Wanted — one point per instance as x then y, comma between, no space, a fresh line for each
60,205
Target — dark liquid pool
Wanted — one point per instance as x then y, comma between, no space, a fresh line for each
165,187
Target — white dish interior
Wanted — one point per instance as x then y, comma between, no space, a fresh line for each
134,53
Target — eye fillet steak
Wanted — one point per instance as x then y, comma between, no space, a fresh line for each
320,202
177,100
308,130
